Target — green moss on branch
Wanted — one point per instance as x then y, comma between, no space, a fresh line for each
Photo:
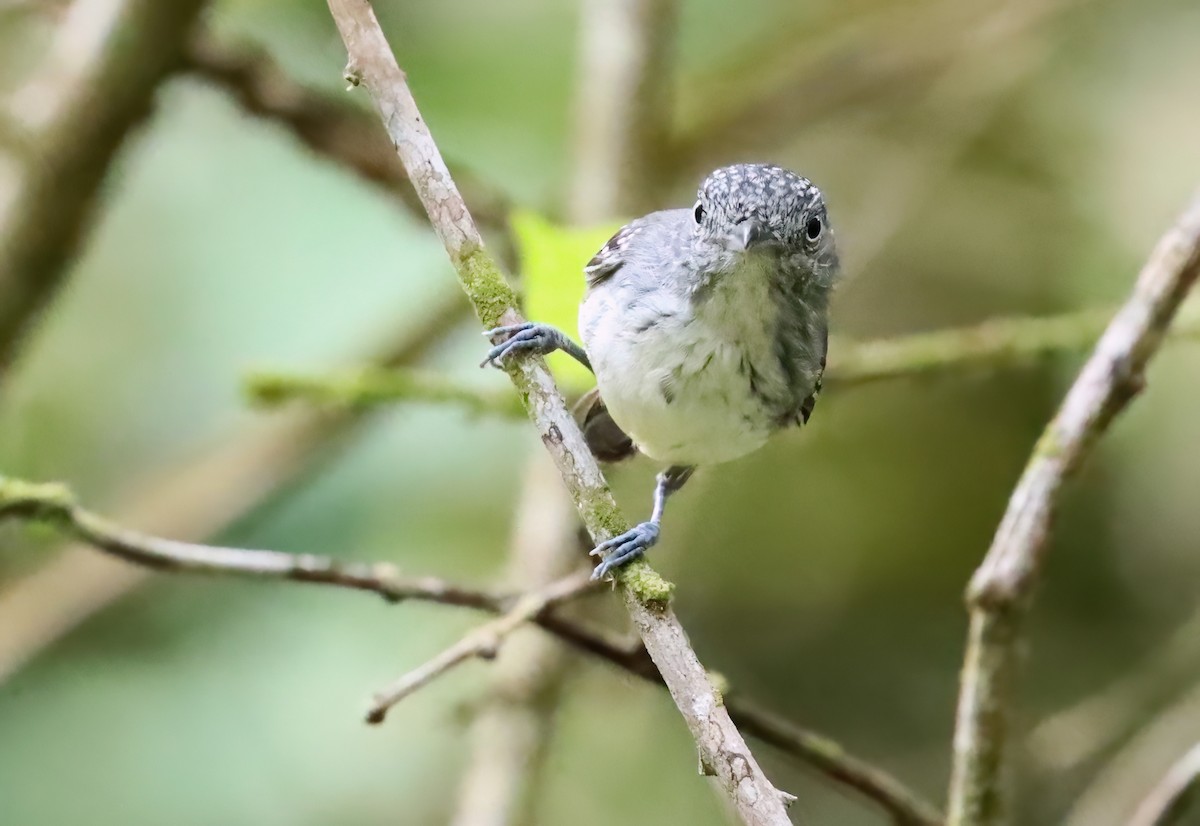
485,285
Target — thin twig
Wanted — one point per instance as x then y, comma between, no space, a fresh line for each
24,500
54,503
722,749
999,593
905,807
1170,800
484,642
96,85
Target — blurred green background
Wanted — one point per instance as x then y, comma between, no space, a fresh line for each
1026,166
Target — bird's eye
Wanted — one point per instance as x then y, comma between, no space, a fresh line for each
813,229
699,212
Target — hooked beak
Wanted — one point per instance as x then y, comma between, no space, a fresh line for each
752,232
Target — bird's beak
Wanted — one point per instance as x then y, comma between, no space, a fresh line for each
752,233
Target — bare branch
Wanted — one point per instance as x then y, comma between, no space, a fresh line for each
329,126
1172,798
484,642
54,503
828,756
722,748
96,85
1000,591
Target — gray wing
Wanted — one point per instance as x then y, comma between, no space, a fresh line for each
610,257
644,245
655,235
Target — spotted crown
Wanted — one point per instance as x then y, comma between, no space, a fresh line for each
780,198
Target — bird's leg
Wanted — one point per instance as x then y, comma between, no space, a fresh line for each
639,539
531,337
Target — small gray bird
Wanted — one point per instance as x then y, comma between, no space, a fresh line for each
706,329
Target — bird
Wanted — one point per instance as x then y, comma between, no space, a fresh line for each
706,329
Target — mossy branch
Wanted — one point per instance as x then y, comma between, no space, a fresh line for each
998,343
372,386
721,746
1000,592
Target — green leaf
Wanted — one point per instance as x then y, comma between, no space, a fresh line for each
552,261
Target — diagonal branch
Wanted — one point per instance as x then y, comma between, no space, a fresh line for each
723,751
622,114
1000,591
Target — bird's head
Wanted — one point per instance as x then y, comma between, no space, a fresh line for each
750,209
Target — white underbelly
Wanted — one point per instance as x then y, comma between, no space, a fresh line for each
682,403
675,374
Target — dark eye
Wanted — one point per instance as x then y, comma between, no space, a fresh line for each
812,230
699,212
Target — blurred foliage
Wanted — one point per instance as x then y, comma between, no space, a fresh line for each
550,258
822,575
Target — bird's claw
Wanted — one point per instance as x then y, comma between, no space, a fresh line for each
520,338
624,548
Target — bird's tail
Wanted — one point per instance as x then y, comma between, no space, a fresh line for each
605,439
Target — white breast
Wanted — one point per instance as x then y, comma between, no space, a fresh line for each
680,386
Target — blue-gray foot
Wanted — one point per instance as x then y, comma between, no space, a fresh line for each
624,548
531,337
